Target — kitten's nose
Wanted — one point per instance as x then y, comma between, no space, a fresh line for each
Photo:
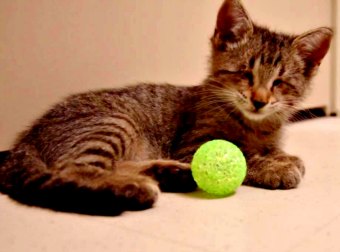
259,104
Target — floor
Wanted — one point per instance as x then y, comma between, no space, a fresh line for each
304,219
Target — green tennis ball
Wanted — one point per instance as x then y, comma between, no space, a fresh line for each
219,167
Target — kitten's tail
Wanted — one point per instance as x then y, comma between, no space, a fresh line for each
25,177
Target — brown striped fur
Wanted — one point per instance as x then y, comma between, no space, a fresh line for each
103,152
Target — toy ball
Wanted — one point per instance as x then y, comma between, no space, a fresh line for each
219,167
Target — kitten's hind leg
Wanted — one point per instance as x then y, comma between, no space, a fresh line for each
171,175
88,190
105,190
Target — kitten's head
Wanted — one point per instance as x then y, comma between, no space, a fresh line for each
260,72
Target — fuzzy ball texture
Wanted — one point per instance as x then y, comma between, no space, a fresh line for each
219,167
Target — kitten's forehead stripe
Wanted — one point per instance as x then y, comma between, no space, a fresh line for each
271,55
277,60
256,69
282,70
269,59
263,76
252,62
262,59
274,76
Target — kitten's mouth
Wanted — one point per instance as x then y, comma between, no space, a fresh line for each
252,111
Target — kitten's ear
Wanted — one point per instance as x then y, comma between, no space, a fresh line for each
233,24
313,46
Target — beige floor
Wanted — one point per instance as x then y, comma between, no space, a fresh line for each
305,219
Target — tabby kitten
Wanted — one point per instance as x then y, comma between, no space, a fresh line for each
108,151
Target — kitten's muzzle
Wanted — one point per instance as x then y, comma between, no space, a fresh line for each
260,98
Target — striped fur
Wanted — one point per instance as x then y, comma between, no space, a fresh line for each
106,151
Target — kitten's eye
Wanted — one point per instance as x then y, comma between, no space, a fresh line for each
277,82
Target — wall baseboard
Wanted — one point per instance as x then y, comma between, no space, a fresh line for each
306,114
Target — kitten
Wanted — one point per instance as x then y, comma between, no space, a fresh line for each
108,151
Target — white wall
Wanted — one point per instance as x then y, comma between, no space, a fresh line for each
50,48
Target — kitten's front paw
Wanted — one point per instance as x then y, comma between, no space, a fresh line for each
275,172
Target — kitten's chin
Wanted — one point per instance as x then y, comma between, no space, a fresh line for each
255,116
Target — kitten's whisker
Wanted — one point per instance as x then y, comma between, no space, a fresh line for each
291,112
